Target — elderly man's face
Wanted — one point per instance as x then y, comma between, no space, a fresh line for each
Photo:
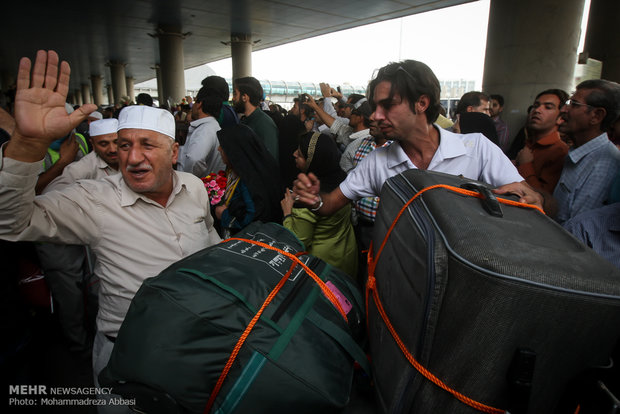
146,158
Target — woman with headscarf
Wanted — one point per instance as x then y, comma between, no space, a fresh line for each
330,238
253,184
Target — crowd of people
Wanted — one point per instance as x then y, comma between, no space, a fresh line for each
124,190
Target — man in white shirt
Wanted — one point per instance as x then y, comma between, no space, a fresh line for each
137,222
199,155
405,97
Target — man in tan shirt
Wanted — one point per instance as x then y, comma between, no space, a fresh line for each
137,222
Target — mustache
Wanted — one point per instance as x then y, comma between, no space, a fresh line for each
139,167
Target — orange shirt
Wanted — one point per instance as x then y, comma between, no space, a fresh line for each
544,172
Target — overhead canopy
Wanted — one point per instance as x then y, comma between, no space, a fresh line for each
90,34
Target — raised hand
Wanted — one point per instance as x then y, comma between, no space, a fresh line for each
40,113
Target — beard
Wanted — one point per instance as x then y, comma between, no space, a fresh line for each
239,107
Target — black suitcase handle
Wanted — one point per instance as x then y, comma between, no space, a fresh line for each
489,201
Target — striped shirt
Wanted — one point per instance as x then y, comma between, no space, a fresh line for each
586,177
366,208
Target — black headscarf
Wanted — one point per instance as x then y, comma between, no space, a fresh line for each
249,158
478,122
323,159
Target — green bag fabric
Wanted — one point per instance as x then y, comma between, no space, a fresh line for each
182,326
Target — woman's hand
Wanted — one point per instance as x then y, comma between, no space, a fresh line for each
219,210
287,202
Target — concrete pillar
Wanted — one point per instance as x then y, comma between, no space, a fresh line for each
531,46
130,91
603,37
119,85
171,64
78,97
241,52
86,93
110,92
96,82
160,88
71,98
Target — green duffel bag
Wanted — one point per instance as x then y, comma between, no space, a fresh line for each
249,325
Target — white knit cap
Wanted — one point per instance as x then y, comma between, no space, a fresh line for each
147,117
96,114
103,127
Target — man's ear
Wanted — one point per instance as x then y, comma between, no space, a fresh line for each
422,104
175,152
598,114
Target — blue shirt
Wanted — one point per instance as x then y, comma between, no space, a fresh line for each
600,230
586,177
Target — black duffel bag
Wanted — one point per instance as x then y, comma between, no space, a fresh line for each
477,305
244,326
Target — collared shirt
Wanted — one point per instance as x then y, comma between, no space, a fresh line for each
348,158
199,155
600,230
544,171
90,167
264,127
342,131
470,155
133,237
586,177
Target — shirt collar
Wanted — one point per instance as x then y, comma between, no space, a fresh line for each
396,155
130,197
101,164
576,154
197,122
549,139
451,145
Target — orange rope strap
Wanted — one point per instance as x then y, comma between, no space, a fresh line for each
272,294
244,336
372,286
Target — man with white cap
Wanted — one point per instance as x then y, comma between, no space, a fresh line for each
137,222
94,116
100,163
